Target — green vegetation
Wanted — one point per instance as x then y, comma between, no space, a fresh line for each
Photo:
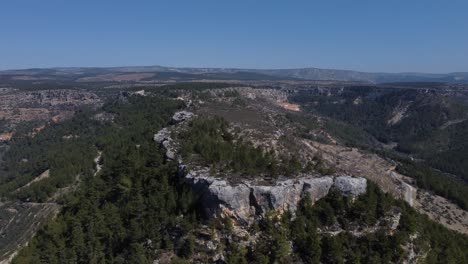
126,212
68,149
358,116
3,125
430,179
351,135
312,244
173,89
66,158
306,123
210,139
453,157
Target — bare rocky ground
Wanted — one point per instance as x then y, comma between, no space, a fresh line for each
442,210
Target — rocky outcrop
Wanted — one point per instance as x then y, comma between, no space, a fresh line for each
351,186
181,116
163,137
317,188
247,201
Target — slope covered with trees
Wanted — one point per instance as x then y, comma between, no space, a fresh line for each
211,140
422,122
130,206
65,149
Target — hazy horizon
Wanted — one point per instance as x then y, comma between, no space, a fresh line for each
394,37
233,68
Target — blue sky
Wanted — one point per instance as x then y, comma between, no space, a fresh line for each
390,35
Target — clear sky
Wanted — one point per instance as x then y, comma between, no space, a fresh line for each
374,35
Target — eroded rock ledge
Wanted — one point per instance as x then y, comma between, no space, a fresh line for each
246,201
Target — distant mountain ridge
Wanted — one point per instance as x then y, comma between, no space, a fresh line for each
348,75
273,74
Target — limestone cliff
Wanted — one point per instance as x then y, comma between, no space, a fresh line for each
246,201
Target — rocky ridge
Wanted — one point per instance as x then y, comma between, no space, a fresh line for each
247,200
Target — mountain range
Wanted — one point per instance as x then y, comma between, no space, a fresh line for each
250,74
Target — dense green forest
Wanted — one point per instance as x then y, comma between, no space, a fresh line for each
65,149
135,199
68,149
118,228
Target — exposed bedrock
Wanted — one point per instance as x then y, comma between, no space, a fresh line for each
163,137
246,201
181,116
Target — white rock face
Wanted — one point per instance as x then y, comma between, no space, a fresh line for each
317,188
181,116
236,199
163,137
244,202
351,186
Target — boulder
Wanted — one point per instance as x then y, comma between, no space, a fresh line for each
181,116
162,135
